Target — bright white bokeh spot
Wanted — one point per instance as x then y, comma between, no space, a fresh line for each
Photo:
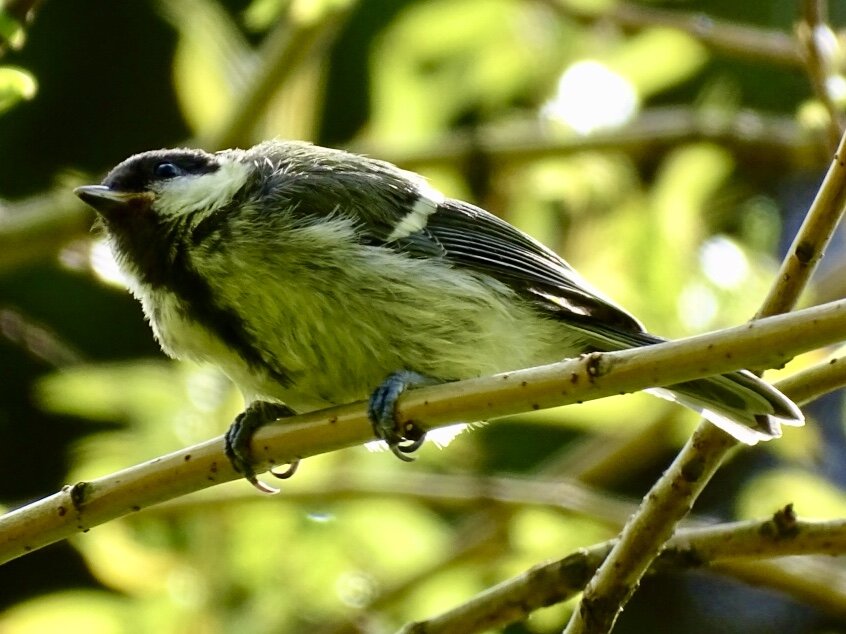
186,587
104,266
207,388
356,589
592,97
320,517
825,40
723,262
836,87
441,437
697,306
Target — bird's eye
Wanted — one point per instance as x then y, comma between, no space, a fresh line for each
165,169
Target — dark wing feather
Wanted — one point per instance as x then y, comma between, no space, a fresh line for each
470,237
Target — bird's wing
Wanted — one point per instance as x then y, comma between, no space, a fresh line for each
472,238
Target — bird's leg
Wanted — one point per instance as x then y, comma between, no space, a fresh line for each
239,436
403,438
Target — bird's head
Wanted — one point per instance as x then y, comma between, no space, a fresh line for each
165,184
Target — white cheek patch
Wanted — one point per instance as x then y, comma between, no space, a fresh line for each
415,220
204,192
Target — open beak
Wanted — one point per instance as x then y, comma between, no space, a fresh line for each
108,202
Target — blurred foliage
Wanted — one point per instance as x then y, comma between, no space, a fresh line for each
686,234
15,84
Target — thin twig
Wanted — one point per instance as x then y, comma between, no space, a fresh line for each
811,240
36,228
286,49
811,383
772,140
730,544
441,490
489,609
816,581
742,41
819,45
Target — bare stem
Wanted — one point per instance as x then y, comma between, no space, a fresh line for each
742,41
818,44
733,545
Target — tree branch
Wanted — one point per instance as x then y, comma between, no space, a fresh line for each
743,41
802,388
550,583
751,135
286,48
86,504
36,228
818,44
673,495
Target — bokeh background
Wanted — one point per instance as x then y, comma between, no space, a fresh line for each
667,149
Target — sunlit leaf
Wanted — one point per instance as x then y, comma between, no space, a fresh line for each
212,63
123,563
72,611
813,497
11,30
657,59
486,53
15,84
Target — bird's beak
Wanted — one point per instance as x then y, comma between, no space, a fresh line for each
109,202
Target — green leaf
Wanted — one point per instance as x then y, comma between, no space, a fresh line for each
211,62
15,84
11,30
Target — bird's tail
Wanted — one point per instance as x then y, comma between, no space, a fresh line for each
739,403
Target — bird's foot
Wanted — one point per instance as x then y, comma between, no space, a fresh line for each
402,438
239,437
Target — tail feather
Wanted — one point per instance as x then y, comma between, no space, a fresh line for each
739,403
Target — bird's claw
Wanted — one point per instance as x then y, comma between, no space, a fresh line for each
402,439
239,436
289,471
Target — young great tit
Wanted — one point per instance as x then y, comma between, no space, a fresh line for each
314,277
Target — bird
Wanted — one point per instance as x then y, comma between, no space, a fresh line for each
314,277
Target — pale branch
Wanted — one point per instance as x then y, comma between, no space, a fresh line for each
286,48
802,388
36,228
731,544
752,136
737,40
674,493
486,531
813,237
437,490
817,581
819,47
86,504
809,384
667,503
798,387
